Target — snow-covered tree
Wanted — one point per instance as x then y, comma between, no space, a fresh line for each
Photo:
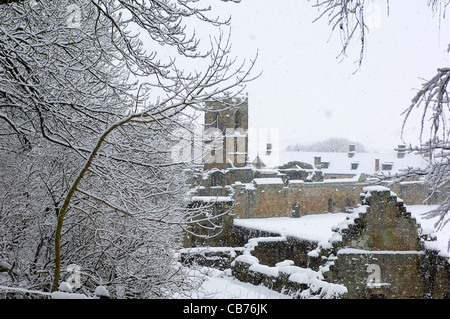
90,92
348,17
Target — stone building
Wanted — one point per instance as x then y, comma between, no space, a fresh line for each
226,140
300,183
379,252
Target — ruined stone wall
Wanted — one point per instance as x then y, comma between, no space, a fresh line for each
265,200
280,201
337,176
415,193
273,201
395,275
271,252
214,257
380,252
440,287
314,198
377,252
282,275
329,197
232,118
242,175
241,235
276,200
386,225
391,274
245,201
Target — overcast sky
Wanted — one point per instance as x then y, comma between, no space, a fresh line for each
309,95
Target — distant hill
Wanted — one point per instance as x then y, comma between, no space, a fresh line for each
338,145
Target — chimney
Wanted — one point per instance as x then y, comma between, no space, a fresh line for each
401,151
377,164
351,150
318,162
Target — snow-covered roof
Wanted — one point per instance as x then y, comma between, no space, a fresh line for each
210,199
341,163
310,227
271,180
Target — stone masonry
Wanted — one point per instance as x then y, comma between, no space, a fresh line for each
378,252
381,252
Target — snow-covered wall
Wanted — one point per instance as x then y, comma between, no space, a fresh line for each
284,276
380,251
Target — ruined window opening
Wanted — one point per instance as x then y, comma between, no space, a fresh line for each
386,166
348,202
330,205
354,166
296,210
237,119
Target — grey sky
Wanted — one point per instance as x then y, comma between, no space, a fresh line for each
310,95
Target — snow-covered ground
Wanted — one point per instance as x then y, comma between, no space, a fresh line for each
221,285
311,227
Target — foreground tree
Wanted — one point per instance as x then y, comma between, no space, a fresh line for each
86,115
349,18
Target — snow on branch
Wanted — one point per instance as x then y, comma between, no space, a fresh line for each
347,17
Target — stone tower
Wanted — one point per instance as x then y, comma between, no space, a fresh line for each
226,133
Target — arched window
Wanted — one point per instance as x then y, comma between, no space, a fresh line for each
237,119
217,179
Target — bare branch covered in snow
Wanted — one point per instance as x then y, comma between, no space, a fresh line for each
432,100
89,100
